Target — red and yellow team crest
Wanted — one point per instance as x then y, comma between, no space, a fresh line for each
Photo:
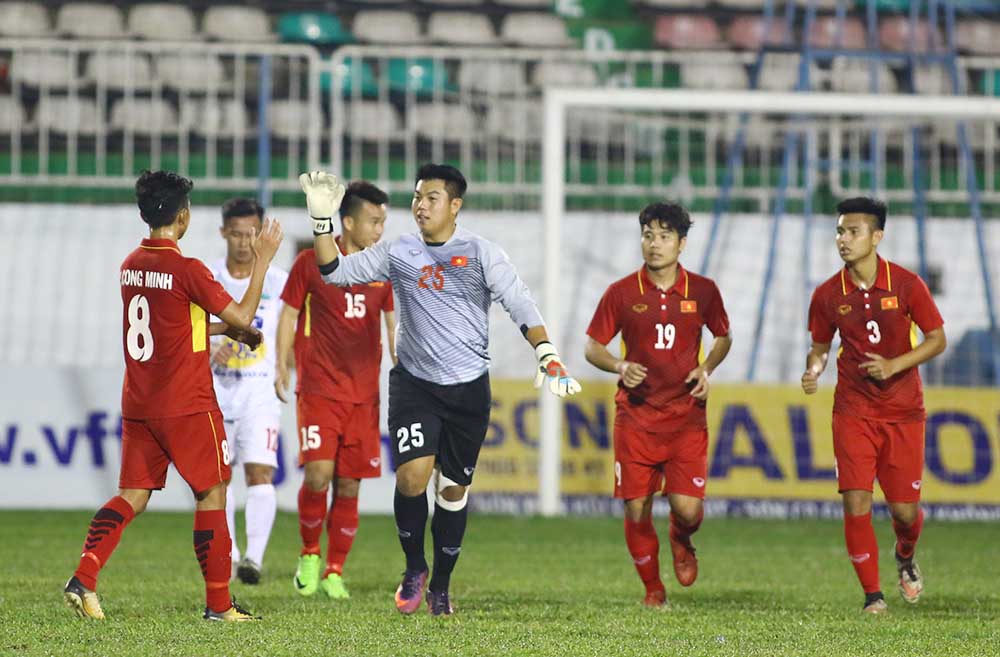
689,306
459,261
844,309
890,303
640,308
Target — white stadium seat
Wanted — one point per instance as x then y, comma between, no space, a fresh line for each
453,3
978,36
516,120
62,114
493,77
563,74
220,118
147,116
525,4
49,69
289,119
191,72
162,21
118,70
716,72
372,121
387,26
781,73
675,4
932,80
24,19
534,30
236,23
90,20
853,75
13,118
460,28
442,121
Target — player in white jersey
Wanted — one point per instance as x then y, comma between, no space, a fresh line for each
244,386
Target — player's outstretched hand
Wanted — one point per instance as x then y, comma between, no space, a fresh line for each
810,381
699,377
265,245
632,374
323,196
281,383
551,369
877,367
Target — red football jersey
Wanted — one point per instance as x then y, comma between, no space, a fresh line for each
881,321
167,299
660,329
338,337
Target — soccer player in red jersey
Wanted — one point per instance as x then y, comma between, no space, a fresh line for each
661,433
169,410
878,406
337,338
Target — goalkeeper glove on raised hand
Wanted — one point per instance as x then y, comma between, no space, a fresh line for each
550,368
323,195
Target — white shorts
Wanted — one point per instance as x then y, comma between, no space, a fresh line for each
254,439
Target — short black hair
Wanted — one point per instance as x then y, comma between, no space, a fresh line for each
454,181
242,207
160,195
358,192
864,205
671,216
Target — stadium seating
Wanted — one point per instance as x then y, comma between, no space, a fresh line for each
289,119
144,116
780,72
63,114
443,121
116,70
514,120
162,21
387,26
90,20
492,77
353,75
719,72
524,4
44,69
460,28
13,117
823,33
191,73
24,19
227,118
896,34
236,23
419,76
931,80
534,30
675,4
313,27
978,37
752,32
687,32
563,74
373,121
851,75
453,3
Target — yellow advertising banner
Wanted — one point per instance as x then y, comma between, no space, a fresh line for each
766,442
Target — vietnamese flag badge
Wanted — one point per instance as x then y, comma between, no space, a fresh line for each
689,306
890,303
459,261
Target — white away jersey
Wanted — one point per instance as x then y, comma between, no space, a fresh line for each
245,385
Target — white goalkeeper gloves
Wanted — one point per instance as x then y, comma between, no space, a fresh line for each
551,369
323,196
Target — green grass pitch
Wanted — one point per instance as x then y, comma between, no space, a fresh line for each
524,586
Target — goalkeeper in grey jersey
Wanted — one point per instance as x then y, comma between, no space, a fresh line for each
445,279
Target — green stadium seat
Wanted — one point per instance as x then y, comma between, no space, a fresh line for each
610,35
595,9
313,27
352,75
419,76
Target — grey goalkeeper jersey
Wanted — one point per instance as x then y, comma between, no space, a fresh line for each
444,294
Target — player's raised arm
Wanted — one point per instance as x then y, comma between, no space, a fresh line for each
240,314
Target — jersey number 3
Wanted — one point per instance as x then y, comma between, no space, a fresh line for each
139,339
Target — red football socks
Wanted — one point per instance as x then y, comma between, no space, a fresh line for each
212,546
907,535
341,526
312,510
862,548
644,546
105,531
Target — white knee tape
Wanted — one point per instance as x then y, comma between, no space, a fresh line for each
444,482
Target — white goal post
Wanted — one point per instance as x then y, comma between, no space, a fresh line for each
556,103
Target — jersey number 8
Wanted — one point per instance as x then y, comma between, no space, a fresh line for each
139,339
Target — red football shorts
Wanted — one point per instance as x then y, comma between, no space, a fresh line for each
340,431
195,444
891,451
671,461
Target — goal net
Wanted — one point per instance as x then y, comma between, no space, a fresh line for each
762,173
